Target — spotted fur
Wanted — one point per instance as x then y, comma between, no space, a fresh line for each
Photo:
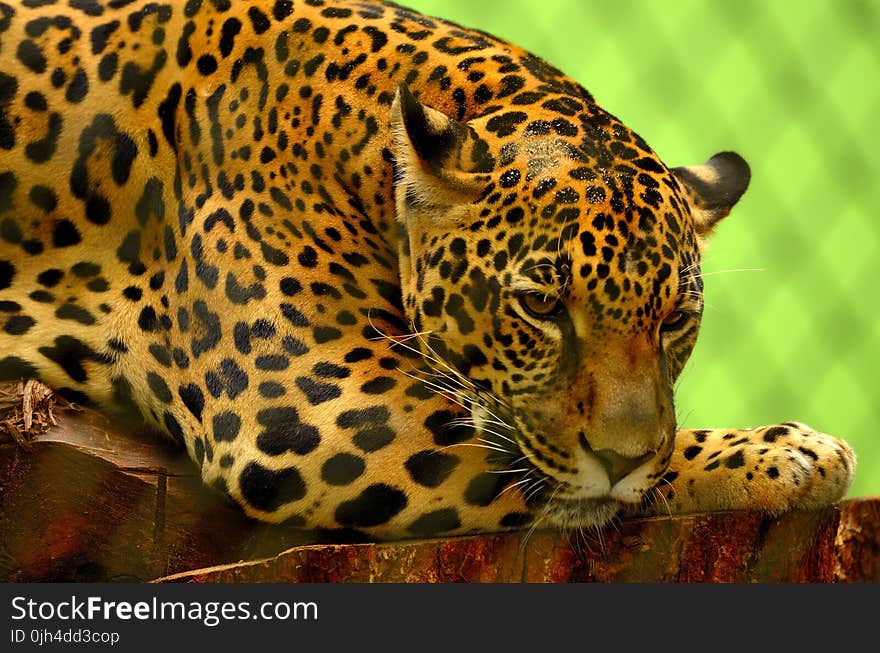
377,272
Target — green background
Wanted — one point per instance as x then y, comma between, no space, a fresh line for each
793,86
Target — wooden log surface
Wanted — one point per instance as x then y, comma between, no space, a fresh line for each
84,498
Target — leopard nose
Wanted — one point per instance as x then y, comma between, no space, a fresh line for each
617,466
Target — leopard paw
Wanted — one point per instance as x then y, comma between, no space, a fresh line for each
770,468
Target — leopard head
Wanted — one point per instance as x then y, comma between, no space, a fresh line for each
550,264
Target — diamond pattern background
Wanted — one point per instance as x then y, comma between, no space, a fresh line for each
792,323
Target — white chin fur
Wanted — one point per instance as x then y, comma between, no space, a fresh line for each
578,514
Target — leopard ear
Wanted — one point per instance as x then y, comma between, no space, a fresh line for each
713,188
427,146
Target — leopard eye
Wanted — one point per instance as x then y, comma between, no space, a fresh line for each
675,320
541,306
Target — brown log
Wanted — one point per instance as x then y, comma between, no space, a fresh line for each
838,544
83,498
88,499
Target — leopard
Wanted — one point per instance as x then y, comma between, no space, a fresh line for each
380,275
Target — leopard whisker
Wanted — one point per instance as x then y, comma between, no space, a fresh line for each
495,444
474,422
528,534
473,444
601,537
658,492
513,485
458,397
614,522
714,272
494,422
541,518
457,374
479,427
462,399
452,374
532,490
432,356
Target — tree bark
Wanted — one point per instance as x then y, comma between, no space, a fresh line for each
83,498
